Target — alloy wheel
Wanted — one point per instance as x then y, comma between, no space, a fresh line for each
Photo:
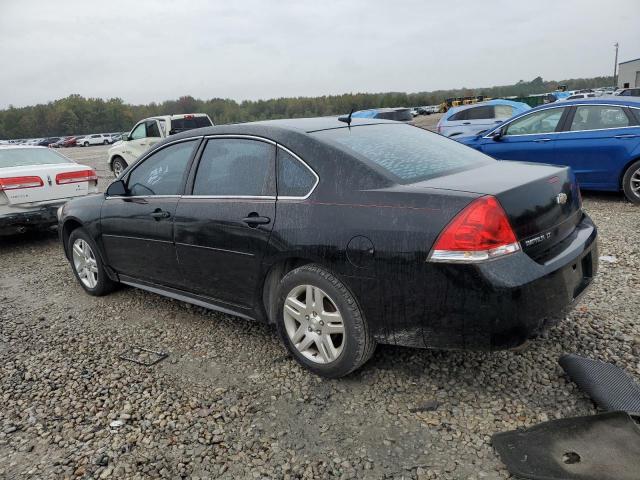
314,324
117,168
85,263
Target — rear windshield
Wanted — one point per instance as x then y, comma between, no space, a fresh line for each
181,124
20,157
409,154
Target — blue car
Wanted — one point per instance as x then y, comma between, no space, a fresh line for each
598,138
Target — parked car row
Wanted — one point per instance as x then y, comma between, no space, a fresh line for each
68,141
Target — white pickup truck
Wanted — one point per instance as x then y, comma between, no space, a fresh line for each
148,132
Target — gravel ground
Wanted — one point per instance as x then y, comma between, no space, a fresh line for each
228,402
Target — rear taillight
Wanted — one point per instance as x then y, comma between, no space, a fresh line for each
481,231
15,183
76,177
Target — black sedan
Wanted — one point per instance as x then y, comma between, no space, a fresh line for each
342,236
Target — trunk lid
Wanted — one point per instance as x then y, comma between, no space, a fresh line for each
542,201
50,190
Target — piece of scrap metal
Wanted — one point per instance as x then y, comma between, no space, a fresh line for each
610,387
597,447
142,356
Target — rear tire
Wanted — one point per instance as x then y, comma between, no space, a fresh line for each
631,183
86,144
321,323
118,165
87,265
106,142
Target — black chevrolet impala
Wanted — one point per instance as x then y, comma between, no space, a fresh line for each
342,236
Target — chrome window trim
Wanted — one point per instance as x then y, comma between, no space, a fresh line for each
262,197
231,197
287,197
567,131
146,196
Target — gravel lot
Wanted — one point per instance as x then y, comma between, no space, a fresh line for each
229,402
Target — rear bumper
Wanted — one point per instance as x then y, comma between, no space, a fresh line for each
18,222
508,301
495,305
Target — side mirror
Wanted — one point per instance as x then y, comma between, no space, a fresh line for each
116,189
497,135
125,137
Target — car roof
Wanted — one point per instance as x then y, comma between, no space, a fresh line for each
628,102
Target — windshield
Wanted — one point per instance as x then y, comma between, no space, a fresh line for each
20,157
409,154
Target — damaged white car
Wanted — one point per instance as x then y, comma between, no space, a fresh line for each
34,183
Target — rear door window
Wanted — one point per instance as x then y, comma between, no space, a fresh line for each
162,172
405,153
237,168
597,117
152,129
484,112
544,121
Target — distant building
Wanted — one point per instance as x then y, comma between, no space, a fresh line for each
629,74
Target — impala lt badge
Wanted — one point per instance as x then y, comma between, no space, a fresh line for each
561,198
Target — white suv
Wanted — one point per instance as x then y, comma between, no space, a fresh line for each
148,132
97,139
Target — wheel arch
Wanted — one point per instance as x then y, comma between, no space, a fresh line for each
69,225
272,277
624,169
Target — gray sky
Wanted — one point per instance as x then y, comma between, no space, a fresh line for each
145,51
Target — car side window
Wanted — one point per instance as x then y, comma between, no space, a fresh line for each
162,172
236,167
484,112
462,115
294,178
544,121
139,132
596,117
152,129
503,111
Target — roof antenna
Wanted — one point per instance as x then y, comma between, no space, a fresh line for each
347,119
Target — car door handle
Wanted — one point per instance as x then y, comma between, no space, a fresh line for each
542,140
626,135
466,123
159,214
253,220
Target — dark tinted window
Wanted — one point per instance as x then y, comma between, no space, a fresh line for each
294,179
481,113
152,129
406,152
189,123
236,167
162,172
462,115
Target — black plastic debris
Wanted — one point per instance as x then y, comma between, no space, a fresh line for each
610,387
143,356
598,447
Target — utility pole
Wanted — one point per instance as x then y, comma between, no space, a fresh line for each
615,68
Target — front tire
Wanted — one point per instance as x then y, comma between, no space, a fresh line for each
321,323
631,183
86,144
87,265
118,165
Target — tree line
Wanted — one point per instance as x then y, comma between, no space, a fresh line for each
78,115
